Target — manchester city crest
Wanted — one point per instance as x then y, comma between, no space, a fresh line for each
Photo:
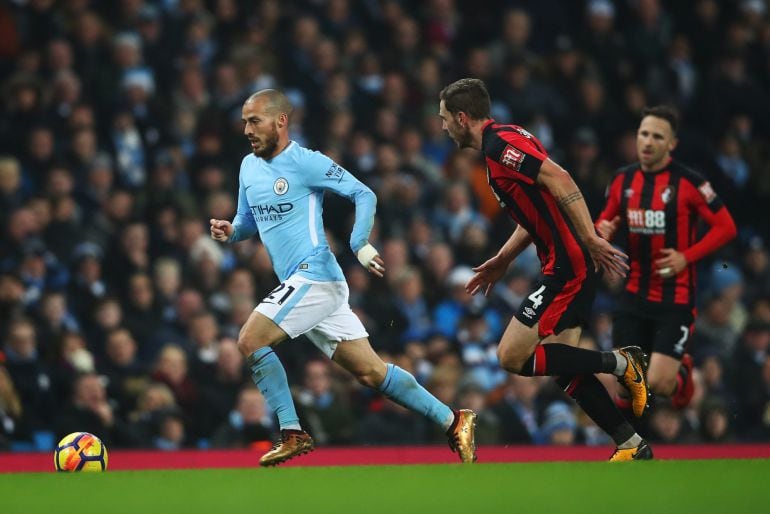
281,186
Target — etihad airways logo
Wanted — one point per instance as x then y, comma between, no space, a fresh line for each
269,212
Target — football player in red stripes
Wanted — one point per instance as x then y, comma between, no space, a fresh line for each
654,205
550,212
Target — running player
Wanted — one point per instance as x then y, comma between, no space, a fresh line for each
549,209
281,193
655,204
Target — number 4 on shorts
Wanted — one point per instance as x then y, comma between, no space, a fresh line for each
537,297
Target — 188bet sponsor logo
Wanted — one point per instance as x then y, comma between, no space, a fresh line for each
646,221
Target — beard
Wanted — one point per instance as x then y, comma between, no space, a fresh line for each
463,139
269,144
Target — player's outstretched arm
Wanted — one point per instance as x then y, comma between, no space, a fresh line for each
491,271
560,184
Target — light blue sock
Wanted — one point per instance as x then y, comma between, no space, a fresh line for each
268,373
401,387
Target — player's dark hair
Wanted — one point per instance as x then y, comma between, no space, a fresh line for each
469,96
665,112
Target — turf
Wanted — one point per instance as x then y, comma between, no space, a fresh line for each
734,486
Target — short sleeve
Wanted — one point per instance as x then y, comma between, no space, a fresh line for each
517,150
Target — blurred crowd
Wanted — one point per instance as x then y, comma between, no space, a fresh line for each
120,137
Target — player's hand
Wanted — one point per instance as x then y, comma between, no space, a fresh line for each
671,263
486,275
377,266
370,259
607,228
607,257
221,230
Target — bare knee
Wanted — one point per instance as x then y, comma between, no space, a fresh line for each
662,374
516,346
245,346
511,359
248,344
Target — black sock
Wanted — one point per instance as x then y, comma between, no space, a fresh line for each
563,359
595,401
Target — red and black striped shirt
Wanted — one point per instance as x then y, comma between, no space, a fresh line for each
513,158
660,210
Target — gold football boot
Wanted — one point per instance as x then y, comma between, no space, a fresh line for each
461,435
291,444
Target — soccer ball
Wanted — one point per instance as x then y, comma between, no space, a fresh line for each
80,451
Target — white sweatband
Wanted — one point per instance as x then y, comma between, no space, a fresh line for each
365,254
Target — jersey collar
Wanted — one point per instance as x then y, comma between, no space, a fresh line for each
291,142
662,168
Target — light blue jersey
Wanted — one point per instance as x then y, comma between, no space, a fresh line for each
282,198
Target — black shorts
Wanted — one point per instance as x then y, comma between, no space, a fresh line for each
663,331
558,304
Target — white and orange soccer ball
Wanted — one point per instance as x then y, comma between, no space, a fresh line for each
80,451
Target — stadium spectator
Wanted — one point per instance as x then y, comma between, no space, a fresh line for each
516,406
748,366
53,320
30,374
392,424
142,317
473,396
757,270
90,411
72,360
11,299
559,425
125,375
204,350
713,330
155,399
323,408
248,425
220,389
448,314
172,434
10,411
667,425
171,369
715,426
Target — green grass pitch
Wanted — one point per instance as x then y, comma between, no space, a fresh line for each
723,486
